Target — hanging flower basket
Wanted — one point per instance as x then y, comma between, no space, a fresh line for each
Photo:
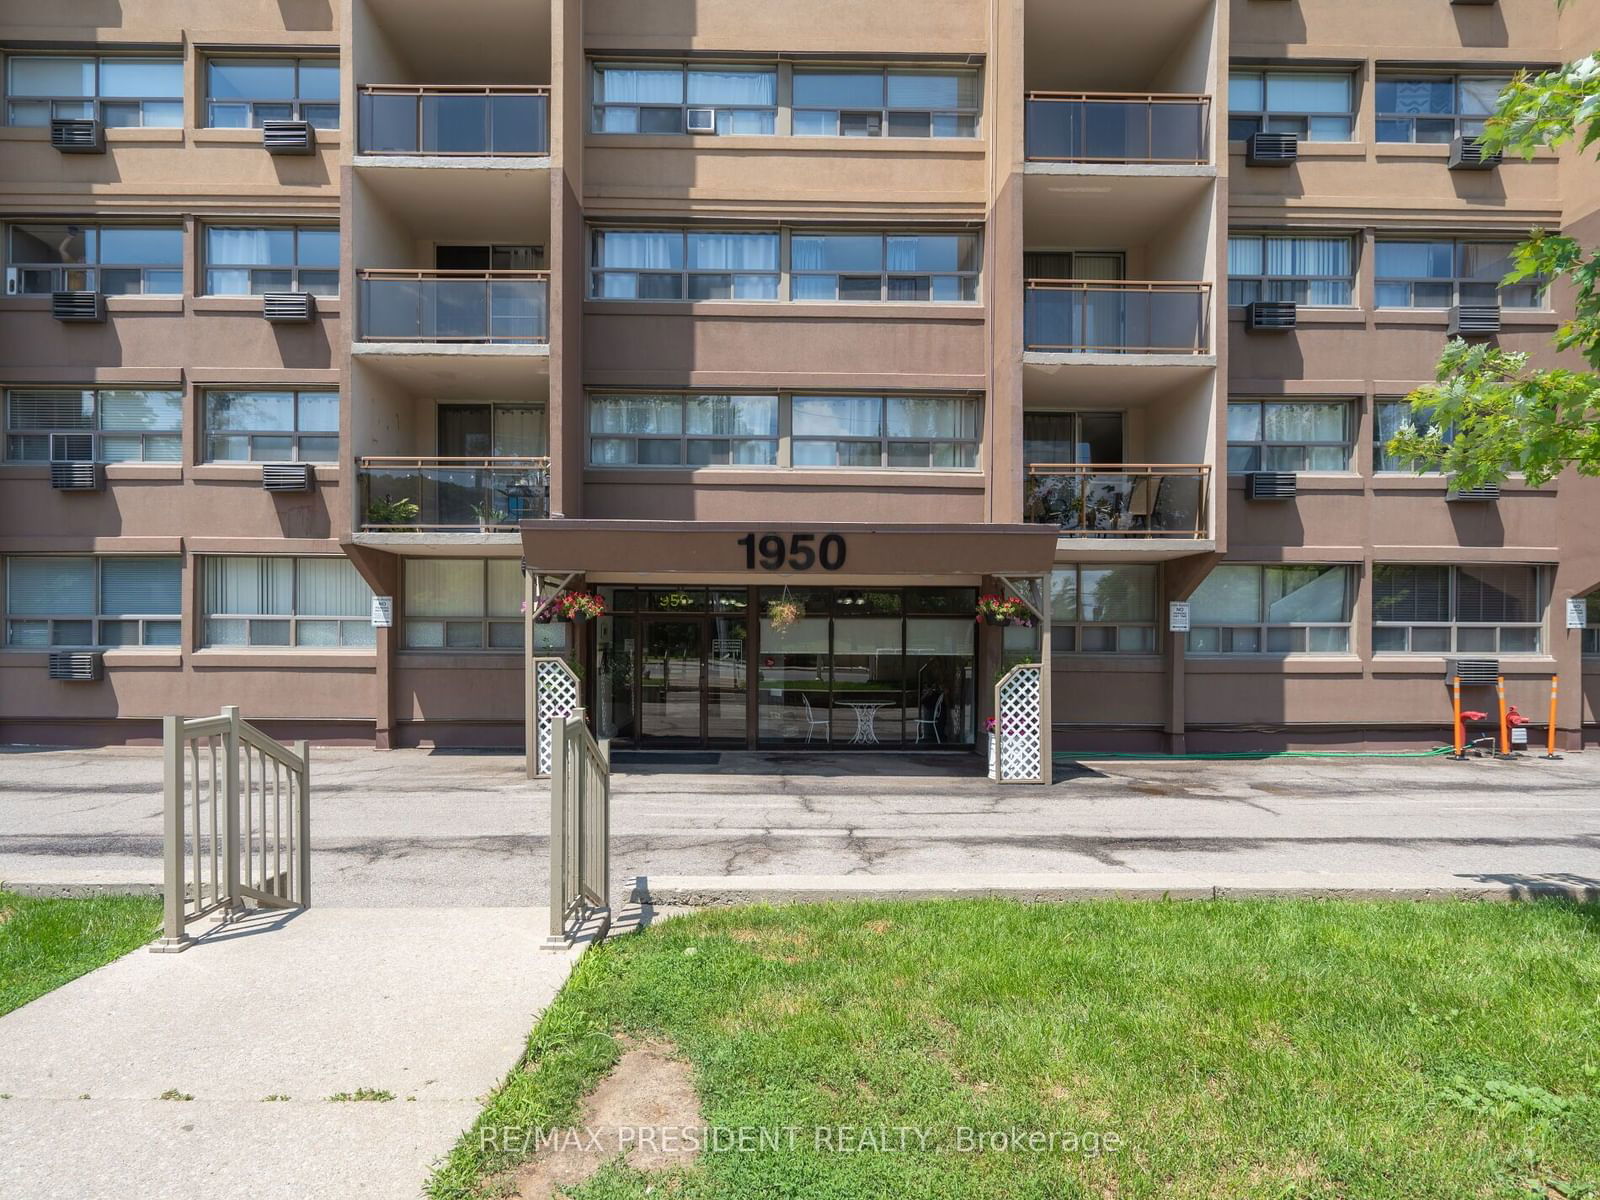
781,614
580,606
1003,610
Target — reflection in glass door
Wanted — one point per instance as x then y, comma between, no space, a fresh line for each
671,683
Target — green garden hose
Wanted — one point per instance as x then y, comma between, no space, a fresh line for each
1062,756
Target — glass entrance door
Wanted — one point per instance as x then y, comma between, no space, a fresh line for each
672,683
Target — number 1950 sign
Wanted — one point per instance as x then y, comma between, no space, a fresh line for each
797,552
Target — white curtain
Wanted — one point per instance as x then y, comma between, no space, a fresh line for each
249,247
332,587
640,85
249,586
505,587
444,587
639,251
746,89
733,251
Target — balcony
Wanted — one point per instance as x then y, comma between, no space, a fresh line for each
1106,127
1078,316
452,495
1120,500
483,307
458,121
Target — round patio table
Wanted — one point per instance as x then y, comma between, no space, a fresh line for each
866,723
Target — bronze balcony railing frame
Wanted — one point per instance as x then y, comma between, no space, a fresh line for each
422,91
1199,344
367,276
1102,516
1152,102
392,469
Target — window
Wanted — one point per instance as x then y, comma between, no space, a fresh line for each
463,604
890,102
1289,435
672,430
247,262
655,98
118,260
1315,107
675,430
93,425
939,267
926,432
54,601
289,426
116,91
1314,271
1478,609
1074,264
243,92
1435,108
1591,635
1389,418
640,264
309,603
1242,609
1103,610
1443,273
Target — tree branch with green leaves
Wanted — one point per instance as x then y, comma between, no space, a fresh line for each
1490,414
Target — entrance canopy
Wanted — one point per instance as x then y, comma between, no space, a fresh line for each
816,552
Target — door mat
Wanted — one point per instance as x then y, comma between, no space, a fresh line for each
664,758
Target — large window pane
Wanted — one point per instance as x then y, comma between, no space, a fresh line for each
1306,594
141,586
838,89
724,86
1231,594
332,587
51,76
639,85
142,77
1307,93
933,90
249,585
250,79
837,416
49,586
442,587
836,252
142,247
1490,594
1410,593
1118,593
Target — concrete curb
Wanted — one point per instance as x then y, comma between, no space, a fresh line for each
80,889
713,890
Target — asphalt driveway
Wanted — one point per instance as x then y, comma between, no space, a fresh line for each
420,828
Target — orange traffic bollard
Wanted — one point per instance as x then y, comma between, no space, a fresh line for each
1505,726
1550,743
1460,731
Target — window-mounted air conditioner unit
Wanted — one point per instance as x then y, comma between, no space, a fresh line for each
1474,320
701,120
286,477
288,308
77,306
1473,671
1271,485
76,666
1270,316
1486,493
1468,154
1271,149
288,137
77,135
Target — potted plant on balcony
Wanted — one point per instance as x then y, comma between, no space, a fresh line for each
1003,610
395,516
489,517
580,606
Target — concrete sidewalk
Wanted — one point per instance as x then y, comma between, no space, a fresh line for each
433,1005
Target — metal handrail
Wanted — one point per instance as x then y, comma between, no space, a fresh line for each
465,89
1078,505
1184,332
408,273
1196,139
512,460
238,831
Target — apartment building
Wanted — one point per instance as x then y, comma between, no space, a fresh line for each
787,331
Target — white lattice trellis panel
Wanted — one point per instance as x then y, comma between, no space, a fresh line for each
1019,714
555,695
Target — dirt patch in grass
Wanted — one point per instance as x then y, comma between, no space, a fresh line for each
645,1111
775,945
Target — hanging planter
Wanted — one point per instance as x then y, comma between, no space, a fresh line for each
781,614
1003,610
580,606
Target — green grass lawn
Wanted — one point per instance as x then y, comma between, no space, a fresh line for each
1236,1049
44,943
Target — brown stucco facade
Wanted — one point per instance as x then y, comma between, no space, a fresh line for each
435,410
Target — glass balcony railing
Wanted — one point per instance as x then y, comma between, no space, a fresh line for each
1087,127
1081,316
455,120
1119,500
455,306
452,495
